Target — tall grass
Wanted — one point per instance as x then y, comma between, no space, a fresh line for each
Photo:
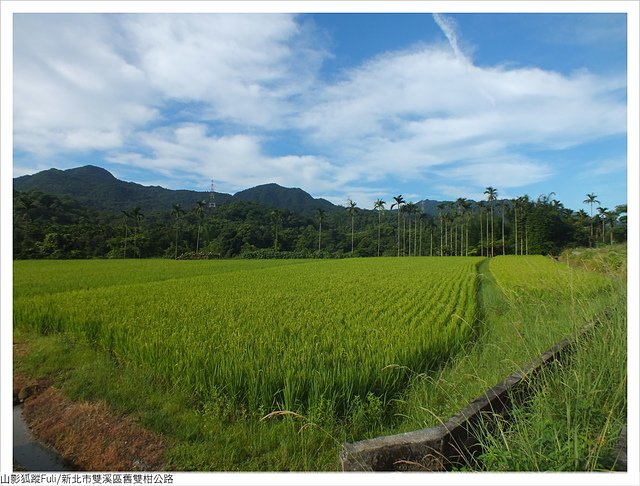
573,420
527,304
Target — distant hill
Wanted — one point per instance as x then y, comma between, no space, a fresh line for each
284,198
97,188
429,206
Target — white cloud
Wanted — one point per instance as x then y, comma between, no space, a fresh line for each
105,82
235,162
245,68
71,90
408,113
504,172
87,82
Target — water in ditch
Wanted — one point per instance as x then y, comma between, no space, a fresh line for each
28,453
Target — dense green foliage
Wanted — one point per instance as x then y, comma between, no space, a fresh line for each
117,219
47,226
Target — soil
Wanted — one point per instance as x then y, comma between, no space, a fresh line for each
87,434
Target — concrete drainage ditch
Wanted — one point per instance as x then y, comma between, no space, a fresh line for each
453,443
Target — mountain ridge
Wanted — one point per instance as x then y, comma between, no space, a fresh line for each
99,189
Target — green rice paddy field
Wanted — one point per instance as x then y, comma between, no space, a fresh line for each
208,352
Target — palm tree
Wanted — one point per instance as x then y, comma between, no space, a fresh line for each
417,212
399,201
422,217
379,206
352,212
199,210
480,211
602,214
177,213
515,204
276,216
320,214
448,232
591,200
440,209
414,210
136,213
611,219
524,202
126,217
466,213
502,208
409,209
431,224
462,207
492,195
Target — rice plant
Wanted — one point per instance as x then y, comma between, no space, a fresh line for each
267,336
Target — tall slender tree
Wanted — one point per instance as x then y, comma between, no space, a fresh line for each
462,209
591,200
423,219
199,209
417,219
515,204
177,213
602,214
480,212
352,208
276,217
399,201
409,210
441,207
431,224
320,215
611,217
379,206
502,210
136,214
126,216
492,195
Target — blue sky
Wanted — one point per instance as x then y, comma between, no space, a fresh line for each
359,106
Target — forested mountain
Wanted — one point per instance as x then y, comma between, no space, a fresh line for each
97,188
87,213
293,199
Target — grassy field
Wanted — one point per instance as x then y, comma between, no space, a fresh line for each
573,420
270,336
203,351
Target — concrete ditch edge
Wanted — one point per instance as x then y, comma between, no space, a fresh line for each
453,442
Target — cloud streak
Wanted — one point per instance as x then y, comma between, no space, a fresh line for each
448,27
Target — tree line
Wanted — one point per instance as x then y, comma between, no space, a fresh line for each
48,226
